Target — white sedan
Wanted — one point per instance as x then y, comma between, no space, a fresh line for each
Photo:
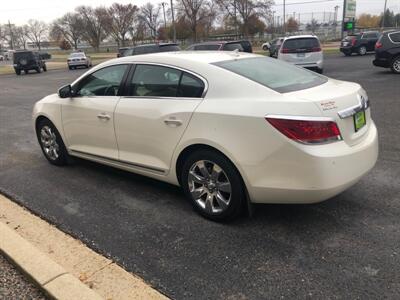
229,128
78,59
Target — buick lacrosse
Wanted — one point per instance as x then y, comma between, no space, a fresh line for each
229,128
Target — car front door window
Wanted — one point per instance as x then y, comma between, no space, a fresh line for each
104,82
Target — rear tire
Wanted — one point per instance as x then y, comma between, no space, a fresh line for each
213,185
39,70
362,50
395,65
44,68
51,143
18,72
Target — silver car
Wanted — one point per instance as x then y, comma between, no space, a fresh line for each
304,51
79,59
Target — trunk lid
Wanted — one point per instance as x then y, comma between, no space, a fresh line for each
334,97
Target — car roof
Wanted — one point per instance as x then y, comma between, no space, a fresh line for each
219,42
152,45
183,58
300,36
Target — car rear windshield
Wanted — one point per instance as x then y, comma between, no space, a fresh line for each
301,44
349,38
274,74
169,48
233,46
206,47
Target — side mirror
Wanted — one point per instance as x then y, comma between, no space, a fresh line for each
65,91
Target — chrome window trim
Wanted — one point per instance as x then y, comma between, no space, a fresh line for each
205,82
363,104
309,118
391,38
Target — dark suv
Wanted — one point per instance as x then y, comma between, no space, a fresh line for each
387,51
151,48
243,46
359,43
28,60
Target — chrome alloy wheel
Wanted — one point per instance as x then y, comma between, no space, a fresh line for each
209,186
396,65
48,139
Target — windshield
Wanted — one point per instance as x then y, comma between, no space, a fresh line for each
274,74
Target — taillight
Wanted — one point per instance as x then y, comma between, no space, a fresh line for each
353,41
284,50
378,45
316,49
307,130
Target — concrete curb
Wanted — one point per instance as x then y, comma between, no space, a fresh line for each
53,279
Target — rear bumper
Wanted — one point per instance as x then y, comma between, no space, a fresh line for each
381,62
309,174
77,63
346,49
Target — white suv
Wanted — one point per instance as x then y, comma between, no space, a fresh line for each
304,51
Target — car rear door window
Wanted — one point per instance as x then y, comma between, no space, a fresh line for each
207,47
395,37
104,82
155,81
190,86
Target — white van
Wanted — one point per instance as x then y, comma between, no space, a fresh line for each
304,51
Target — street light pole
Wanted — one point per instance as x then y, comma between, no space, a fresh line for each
284,17
165,19
173,20
343,18
383,17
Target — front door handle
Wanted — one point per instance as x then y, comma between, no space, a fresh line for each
173,122
103,116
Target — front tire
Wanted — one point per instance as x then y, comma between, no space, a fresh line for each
51,143
213,185
395,65
44,68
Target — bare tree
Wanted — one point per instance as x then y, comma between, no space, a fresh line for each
36,31
94,21
21,36
244,11
69,27
121,20
150,15
195,11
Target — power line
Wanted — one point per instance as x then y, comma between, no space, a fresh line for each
306,2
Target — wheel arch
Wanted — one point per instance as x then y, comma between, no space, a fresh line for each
189,149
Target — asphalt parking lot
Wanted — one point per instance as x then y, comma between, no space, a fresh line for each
345,248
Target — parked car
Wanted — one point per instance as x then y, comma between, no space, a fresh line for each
151,48
304,51
78,59
273,46
277,134
28,60
121,51
359,43
242,46
387,51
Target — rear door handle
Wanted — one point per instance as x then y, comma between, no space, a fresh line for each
173,122
103,116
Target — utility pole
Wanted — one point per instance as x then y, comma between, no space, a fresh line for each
173,20
343,18
383,17
165,19
284,17
11,35
235,17
335,19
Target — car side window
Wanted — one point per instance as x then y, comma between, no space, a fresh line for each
395,37
190,87
104,82
155,81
